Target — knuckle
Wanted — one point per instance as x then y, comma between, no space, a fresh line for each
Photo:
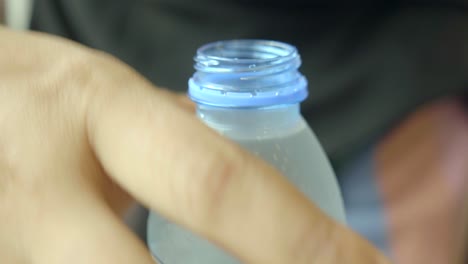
214,186
64,83
76,70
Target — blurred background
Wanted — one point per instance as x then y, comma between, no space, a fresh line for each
388,93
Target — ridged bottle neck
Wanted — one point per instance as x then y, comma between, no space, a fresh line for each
247,73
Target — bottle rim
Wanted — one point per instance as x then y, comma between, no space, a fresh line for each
247,73
245,55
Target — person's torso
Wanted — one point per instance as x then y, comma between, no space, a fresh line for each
367,65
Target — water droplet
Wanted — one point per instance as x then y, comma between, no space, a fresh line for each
253,93
209,63
277,93
223,92
251,66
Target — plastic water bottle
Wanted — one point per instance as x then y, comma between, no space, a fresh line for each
249,91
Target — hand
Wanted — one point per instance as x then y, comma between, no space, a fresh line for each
82,136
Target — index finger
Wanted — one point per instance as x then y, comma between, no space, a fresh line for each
175,165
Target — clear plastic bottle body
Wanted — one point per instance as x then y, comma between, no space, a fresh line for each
249,91
281,137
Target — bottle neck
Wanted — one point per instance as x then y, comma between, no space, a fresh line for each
252,123
247,74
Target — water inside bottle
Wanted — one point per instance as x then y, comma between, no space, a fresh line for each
298,155
301,159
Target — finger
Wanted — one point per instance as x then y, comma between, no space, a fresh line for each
172,163
185,102
180,99
85,232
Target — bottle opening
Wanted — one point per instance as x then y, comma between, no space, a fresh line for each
247,73
245,55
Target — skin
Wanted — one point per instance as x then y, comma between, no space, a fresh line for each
83,136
